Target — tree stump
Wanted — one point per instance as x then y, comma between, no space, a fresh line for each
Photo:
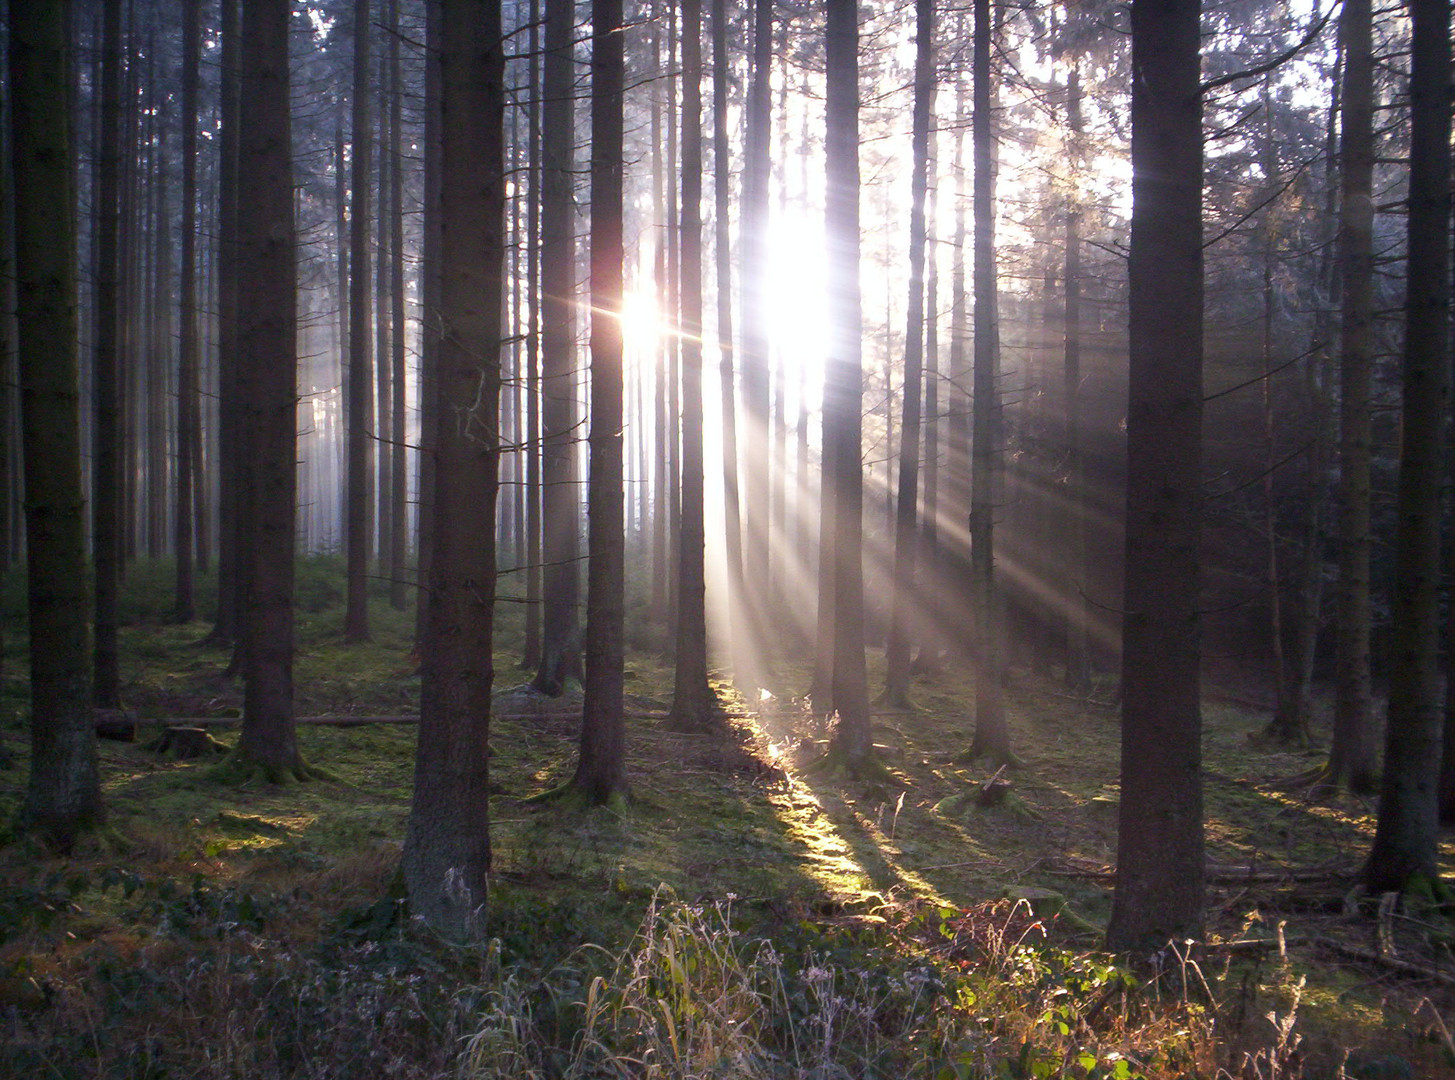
186,743
994,790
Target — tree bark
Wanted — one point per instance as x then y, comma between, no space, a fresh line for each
1159,882
956,550
1351,757
906,539
446,859
843,392
753,271
184,533
229,435
560,518
267,336
399,458
63,795
722,194
531,654
384,332
431,327
992,734
359,414
692,698
106,505
1078,613
601,771
1406,836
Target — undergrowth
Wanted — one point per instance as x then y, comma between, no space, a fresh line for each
743,917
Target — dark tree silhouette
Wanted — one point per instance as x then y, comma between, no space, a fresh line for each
188,435
601,771
106,484
267,398
692,698
906,537
446,857
63,796
560,585
723,259
360,411
1159,878
842,515
1407,834
229,435
992,733
1351,756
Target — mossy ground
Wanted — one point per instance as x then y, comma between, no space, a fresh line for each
167,926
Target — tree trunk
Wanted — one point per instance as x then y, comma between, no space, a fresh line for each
1269,166
63,796
384,332
229,434
341,248
159,330
753,272
359,414
399,458
906,540
9,459
1159,881
431,328
185,608
722,194
1294,714
843,392
267,384
446,859
560,518
1406,836
1351,757
692,698
1078,613
106,506
929,589
956,551
672,367
601,770
992,734
660,487
531,656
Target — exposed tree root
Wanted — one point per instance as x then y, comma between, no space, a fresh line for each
571,798
1005,760
241,770
892,700
705,719
60,837
836,762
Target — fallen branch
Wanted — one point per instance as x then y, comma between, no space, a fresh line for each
357,721
1369,956
1215,874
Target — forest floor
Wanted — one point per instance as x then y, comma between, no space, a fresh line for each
742,918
